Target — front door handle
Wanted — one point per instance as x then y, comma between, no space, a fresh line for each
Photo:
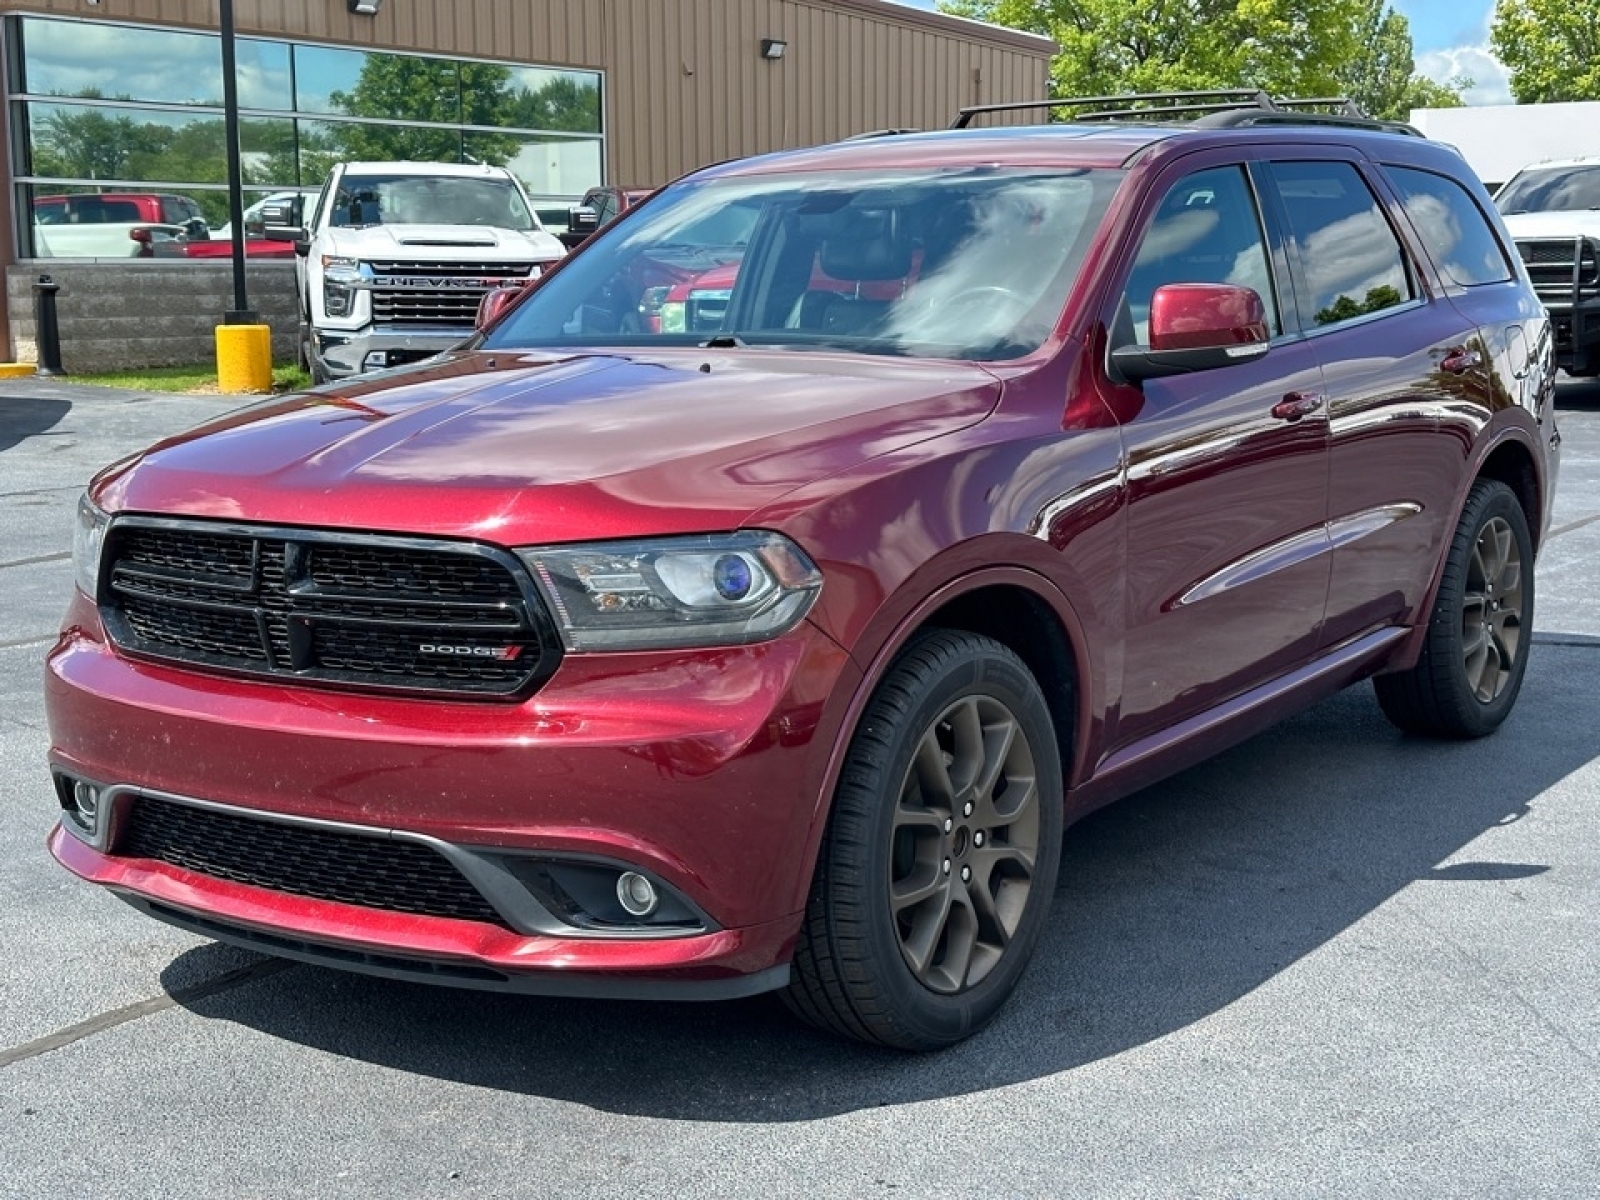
1296,405
1458,360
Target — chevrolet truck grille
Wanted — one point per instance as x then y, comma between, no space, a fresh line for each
433,294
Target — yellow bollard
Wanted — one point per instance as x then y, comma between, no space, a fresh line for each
244,358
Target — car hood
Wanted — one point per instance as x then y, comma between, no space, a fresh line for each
442,243
525,448
1554,224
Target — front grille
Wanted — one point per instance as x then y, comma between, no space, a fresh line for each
362,611
424,293
350,868
1563,270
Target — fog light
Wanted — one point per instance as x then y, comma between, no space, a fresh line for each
86,798
375,361
636,894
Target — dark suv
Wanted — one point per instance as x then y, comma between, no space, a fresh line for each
1018,468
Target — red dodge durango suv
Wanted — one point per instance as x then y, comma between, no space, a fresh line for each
772,646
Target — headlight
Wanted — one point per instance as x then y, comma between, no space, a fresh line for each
88,533
715,590
338,274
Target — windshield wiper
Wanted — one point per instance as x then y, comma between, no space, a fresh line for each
724,341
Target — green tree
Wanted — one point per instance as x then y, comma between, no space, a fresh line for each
94,143
564,103
1287,47
1382,76
1550,47
407,88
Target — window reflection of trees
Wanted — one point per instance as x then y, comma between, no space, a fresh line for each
1352,261
133,105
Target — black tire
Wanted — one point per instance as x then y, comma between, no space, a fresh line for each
1480,630
917,839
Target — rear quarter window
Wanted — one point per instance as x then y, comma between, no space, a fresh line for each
1452,226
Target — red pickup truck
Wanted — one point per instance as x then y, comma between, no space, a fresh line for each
114,224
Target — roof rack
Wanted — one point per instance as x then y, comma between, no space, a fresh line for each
1226,108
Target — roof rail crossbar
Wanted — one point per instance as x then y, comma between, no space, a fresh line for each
1173,101
1220,108
1237,119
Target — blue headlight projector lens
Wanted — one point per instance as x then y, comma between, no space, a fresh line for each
730,575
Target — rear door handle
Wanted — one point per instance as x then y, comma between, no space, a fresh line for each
1458,360
1296,405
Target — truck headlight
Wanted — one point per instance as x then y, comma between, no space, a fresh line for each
662,593
88,535
338,276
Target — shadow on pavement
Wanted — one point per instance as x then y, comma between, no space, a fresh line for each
1174,903
23,417
1580,394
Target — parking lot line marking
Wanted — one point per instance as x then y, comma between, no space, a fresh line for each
33,562
144,1008
1570,526
29,641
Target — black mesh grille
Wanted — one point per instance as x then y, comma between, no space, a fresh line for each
358,611
372,872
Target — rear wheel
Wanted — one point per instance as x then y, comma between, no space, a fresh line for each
1476,651
941,853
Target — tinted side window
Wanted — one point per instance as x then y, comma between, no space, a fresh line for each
1452,226
1206,230
1351,259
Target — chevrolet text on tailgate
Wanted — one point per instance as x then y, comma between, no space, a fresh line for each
750,604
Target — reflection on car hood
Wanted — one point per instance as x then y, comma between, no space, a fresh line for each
444,243
524,448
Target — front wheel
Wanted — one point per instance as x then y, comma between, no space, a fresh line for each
941,853
1467,679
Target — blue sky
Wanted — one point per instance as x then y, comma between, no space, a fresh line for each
1451,40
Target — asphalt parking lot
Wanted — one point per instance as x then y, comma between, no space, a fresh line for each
1333,962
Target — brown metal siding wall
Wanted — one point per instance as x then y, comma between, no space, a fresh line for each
688,85
685,83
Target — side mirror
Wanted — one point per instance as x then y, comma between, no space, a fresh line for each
1197,327
281,221
582,219
196,230
494,303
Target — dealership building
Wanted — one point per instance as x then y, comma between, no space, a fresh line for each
112,98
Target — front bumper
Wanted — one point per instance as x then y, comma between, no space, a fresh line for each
704,771
339,354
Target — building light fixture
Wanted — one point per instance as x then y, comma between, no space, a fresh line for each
773,47
364,8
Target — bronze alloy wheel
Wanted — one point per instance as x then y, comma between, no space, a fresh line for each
941,853
1475,649
966,834
1491,614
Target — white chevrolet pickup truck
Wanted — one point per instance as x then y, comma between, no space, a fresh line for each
395,257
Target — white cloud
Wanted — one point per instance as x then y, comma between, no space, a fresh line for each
1491,83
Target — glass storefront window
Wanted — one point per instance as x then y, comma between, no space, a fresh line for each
264,77
546,166
114,62
555,101
133,111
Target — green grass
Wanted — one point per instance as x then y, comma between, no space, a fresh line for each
201,378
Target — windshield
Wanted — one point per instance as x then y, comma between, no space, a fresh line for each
1555,189
970,263
429,200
